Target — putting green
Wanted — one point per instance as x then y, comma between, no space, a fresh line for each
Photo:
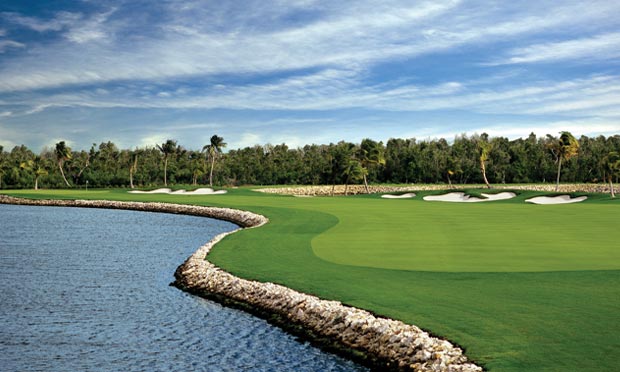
467,237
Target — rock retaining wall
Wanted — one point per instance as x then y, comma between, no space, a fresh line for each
326,190
359,189
387,343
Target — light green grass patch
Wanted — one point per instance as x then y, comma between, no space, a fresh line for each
481,237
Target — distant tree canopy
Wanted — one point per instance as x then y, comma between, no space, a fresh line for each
465,160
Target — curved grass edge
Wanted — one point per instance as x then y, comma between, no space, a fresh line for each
348,331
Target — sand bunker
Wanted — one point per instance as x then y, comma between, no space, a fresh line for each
561,199
201,191
158,191
403,196
461,197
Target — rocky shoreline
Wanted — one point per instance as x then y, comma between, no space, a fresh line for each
323,190
379,342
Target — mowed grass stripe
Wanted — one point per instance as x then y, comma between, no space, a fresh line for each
507,321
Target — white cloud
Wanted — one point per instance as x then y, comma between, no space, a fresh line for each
78,28
60,21
153,139
90,29
578,127
9,138
599,47
247,139
5,44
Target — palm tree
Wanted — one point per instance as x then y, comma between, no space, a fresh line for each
563,149
611,164
133,166
214,148
353,171
338,157
370,152
63,153
484,149
37,166
450,173
453,168
80,162
168,148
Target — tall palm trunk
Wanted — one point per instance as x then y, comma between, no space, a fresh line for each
36,183
211,172
132,169
166,171
557,181
483,168
63,173
611,187
366,185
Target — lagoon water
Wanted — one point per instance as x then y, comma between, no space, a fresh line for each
87,290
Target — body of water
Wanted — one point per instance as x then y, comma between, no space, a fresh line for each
88,290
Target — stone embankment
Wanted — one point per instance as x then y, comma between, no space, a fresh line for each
331,190
382,342
389,344
564,188
359,189
241,218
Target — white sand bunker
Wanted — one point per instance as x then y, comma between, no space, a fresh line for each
461,197
201,191
561,199
403,196
157,191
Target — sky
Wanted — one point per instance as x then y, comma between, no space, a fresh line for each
301,71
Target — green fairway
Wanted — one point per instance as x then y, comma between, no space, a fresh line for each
521,287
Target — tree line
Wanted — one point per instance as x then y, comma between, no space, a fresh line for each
465,160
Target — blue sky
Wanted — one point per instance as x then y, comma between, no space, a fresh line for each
256,72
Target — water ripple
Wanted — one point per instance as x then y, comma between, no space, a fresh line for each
87,290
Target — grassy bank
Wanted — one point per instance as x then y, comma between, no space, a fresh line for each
519,286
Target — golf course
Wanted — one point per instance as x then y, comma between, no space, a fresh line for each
519,286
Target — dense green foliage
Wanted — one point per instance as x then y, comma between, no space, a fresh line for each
521,287
465,160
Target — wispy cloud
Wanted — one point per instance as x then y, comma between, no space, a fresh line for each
596,95
60,21
90,29
600,47
75,26
578,127
6,44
